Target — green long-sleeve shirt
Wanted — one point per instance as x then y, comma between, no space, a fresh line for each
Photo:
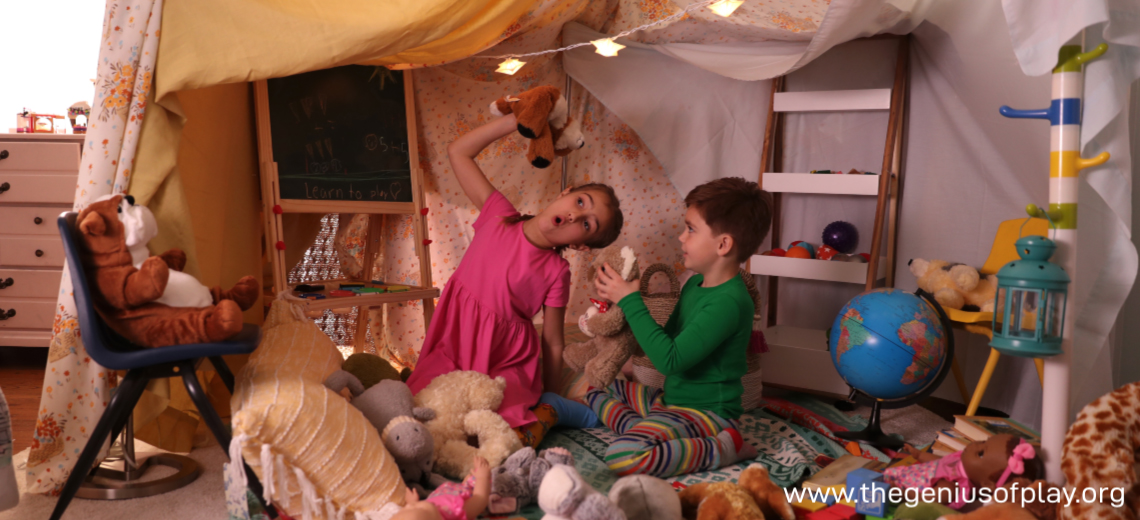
702,351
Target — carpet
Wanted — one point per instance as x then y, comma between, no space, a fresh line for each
203,499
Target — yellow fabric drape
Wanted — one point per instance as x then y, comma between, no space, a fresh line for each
210,42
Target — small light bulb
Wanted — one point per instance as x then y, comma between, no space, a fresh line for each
725,7
607,47
510,66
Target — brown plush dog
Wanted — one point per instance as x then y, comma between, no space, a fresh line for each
611,341
542,117
753,497
124,296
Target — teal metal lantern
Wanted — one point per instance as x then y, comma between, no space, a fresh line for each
1029,308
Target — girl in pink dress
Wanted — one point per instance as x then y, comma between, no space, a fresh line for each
512,270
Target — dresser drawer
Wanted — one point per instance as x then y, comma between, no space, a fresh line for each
30,187
29,314
39,156
40,252
29,220
29,283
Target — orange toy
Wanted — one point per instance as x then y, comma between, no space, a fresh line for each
543,118
798,252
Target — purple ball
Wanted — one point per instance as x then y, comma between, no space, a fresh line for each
842,236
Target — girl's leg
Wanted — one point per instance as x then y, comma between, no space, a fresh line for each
622,404
675,441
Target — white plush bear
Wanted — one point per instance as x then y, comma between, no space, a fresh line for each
182,290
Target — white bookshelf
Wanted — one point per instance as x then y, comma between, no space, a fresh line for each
822,183
833,100
812,269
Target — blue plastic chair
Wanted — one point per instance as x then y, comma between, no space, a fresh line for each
114,352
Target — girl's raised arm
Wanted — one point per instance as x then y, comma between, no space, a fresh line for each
462,152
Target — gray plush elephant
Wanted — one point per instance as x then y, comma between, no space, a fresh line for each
388,405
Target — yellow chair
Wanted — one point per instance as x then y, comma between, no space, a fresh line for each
1002,252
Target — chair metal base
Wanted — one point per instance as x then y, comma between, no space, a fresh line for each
108,484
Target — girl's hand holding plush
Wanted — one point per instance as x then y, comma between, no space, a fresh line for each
612,287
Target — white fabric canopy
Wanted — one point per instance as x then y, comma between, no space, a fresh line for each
966,168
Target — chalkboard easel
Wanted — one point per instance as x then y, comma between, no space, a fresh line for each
342,140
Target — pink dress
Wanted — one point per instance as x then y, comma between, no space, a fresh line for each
483,321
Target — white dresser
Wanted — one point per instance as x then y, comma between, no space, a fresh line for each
37,182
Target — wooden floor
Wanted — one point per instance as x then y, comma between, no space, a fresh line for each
22,380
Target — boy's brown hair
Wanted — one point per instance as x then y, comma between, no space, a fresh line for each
736,207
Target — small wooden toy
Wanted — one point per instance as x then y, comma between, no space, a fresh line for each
869,491
398,288
340,293
305,287
378,282
367,290
835,512
350,285
312,296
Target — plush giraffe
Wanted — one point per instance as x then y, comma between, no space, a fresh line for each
1100,452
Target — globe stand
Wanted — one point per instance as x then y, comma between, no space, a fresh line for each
873,434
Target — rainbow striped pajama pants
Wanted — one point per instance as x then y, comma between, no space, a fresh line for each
656,439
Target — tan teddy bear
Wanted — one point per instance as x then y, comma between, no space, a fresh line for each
954,285
611,341
465,404
542,116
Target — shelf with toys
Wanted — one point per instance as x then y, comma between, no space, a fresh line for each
815,183
815,269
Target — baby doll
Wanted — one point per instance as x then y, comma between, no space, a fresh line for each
451,501
986,464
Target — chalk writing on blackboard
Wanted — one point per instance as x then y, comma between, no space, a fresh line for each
341,134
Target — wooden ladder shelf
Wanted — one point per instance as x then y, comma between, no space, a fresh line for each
796,354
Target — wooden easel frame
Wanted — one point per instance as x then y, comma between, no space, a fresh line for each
273,206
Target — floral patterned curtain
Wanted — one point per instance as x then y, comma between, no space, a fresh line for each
76,389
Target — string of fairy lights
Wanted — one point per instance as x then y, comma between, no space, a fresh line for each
607,46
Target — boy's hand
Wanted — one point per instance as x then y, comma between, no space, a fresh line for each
612,287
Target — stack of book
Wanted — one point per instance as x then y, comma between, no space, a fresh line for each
969,429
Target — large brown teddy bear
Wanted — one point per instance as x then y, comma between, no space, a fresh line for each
543,118
611,341
954,285
125,296
753,497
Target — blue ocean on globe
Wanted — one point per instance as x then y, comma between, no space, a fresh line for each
888,343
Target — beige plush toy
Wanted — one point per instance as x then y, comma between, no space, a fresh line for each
543,118
465,404
1100,453
611,341
954,285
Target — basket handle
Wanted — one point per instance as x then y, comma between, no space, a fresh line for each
674,284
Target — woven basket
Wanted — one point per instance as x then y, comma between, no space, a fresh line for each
643,370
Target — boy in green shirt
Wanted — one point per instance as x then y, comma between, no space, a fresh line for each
692,424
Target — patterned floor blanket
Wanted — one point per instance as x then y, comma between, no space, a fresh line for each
789,435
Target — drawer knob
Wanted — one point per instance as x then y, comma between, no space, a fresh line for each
3,154
5,315
4,187
39,252
38,220
6,283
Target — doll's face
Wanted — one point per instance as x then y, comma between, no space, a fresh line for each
983,459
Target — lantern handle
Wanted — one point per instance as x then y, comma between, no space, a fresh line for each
1037,212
